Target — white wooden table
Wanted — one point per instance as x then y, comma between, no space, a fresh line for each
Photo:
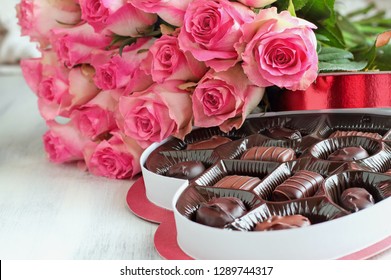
52,211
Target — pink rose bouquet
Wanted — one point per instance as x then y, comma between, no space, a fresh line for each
124,74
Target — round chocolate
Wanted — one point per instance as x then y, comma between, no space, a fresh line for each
238,182
349,154
282,133
220,211
186,170
269,154
356,199
303,183
340,133
282,222
211,143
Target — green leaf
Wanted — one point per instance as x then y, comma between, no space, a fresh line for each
341,65
332,54
318,10
332,33
284,4
322,38
291,8
383,59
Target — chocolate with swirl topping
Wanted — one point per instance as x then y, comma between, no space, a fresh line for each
282,222
220,211
282,133
356,199
349,154
302,184
277,154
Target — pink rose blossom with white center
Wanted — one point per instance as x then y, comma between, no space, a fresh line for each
256,3
117,16
115,71
116,158
96,117
280,50
156,113
63,143
75,45
171,11
211,30
37,18
167,62
225,99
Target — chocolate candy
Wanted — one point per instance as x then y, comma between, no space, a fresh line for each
356,199
238,182
186,170
388,171
220,211
349,154
269,154
211,143
282,133
302,184
340,133
282,222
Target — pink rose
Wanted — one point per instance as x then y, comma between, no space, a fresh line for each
59,89
117,16
63,143
96,118
114,71
256,3
156,113
280,50
37,18
225,99
32,72
167,62
171,11
75,45
116,158
211,30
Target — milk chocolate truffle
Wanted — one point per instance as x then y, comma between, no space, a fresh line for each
211,143
238,182
356,199
269,154
282,222
186,170
302,184
349,154
340,133
220,211
282,133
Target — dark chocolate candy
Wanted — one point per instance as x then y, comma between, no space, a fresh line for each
220,211
186,170
282,133
302,184
238,182
349,154
211,143
356,199
269,154
282,222
340,133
